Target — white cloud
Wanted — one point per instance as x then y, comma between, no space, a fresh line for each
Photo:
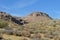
19,4
23,4
4,7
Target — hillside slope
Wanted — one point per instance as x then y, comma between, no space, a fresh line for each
36,26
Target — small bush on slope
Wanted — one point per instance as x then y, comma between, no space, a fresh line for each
3,24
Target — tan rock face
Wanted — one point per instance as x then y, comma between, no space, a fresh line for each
38,14
37,17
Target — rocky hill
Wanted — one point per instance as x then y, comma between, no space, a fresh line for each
33,17
8,17
35,26
37,17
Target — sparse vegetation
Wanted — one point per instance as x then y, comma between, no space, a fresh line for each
34,31
40,30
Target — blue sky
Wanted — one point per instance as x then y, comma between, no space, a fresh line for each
25,7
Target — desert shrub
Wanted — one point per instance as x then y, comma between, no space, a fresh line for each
10,32
6,39
17,33
24,39
2,31
20,28
22,33
36,36
8,28
3,24
1,36
26,33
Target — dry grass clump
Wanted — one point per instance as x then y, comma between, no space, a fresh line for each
3,24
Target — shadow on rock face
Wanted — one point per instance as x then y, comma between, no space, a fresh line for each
20,22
